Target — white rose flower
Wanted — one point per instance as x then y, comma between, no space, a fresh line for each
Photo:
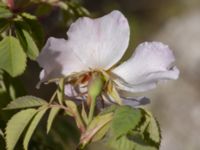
97,45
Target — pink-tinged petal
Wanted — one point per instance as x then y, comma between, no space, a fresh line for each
152,62
77,91
70,91
101,42
57,60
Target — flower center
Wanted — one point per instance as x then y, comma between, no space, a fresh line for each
80,84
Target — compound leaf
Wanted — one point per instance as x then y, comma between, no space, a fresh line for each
32,127
53,112
16,126
25,102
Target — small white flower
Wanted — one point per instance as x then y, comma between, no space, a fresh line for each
98,44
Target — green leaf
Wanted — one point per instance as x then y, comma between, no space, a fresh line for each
153,130
53,112
101,133
26,40
121,143
124,120
144,147
12,56
96,130
35,27
72,107
73,111
5,12
25,102
147,135
32,127
109,109
16,126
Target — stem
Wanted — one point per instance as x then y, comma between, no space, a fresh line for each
53,97
76,116
92,108
61,87
60,106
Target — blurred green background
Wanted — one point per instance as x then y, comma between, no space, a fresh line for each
176,104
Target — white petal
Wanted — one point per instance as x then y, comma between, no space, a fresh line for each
101,42
70,91
57,59
151,63
78,92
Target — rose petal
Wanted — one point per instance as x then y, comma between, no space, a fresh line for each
101,42
78,92
57,59
91,44
152,62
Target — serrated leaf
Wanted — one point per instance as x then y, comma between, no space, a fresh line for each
100,120
96,130
124,120
73,111
32,127
53,112
72,106
26,40
5,12
36,28
121,143
25,102
153,130
12,56
16,126
101,133
144,147
148,131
